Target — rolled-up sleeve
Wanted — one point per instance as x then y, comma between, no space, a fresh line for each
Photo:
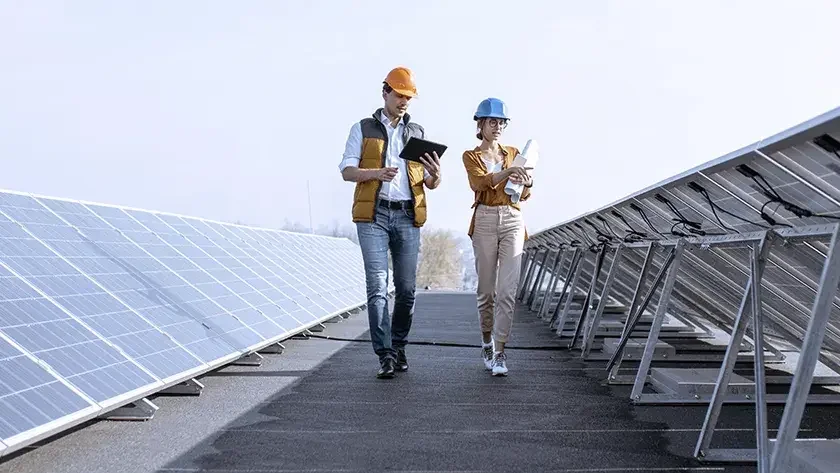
480,179
352,148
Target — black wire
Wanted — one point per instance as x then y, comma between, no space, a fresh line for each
631,232
674,209
444,344
714,206
609,228
641,212
774,196
676,233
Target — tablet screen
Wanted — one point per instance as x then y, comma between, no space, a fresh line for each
417,147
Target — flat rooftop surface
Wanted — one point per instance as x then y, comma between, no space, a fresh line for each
318,407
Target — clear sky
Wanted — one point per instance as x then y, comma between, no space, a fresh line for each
224,109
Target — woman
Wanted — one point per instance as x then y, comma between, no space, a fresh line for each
497,230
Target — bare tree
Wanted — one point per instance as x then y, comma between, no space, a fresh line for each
440,265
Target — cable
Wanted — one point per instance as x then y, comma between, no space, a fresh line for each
607,226
444,344
774,196
692,227
715,207
632,234
645,218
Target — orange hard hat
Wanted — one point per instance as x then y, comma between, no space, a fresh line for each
402,81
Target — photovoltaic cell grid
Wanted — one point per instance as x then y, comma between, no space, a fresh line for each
788,185
101,305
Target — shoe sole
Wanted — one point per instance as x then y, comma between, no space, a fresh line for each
499,374
385,376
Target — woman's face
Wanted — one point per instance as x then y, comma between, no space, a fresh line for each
491,128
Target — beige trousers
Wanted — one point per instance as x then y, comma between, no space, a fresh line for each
498,238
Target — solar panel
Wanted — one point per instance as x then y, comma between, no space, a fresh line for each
126,271
101,306
32,397
759,224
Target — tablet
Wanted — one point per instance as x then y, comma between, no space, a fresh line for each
417,147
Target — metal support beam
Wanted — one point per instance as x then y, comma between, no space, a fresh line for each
599,264
731,357
589,334
548,295
190,387
656,325
640,286
142,409
532,291
530,274
523,270
762,439
636,317
615,361
573,266
798,396
535,292
567,307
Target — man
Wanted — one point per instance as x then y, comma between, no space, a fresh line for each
389,208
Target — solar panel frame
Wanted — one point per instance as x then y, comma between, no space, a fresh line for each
186,271
84,407
249,278
155,310
346,249
172,238
269,259
786,178
275,283
321,259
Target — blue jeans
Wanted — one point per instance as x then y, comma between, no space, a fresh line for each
394,230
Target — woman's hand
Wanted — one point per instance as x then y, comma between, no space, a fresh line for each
519,175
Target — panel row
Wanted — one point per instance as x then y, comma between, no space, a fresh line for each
101,305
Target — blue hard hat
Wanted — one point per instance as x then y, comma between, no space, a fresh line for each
491,108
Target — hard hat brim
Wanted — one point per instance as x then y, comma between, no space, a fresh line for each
491,115
406,92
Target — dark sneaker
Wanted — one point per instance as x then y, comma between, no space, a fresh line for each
386,370
402,361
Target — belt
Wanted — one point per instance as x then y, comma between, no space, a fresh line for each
396,204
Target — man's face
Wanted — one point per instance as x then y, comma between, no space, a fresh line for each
395,103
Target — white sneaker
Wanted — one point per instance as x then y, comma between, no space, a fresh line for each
487,354
499,367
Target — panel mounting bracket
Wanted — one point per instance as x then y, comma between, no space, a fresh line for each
251,359
141,410
273,349
190,387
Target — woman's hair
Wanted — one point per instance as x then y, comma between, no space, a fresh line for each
480,125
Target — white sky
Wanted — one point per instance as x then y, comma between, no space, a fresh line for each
224,109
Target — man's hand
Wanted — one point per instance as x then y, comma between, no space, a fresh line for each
354,174
432,164
386,174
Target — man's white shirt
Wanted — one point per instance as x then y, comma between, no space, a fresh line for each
398,188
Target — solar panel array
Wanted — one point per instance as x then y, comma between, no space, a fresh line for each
755,228
102,305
